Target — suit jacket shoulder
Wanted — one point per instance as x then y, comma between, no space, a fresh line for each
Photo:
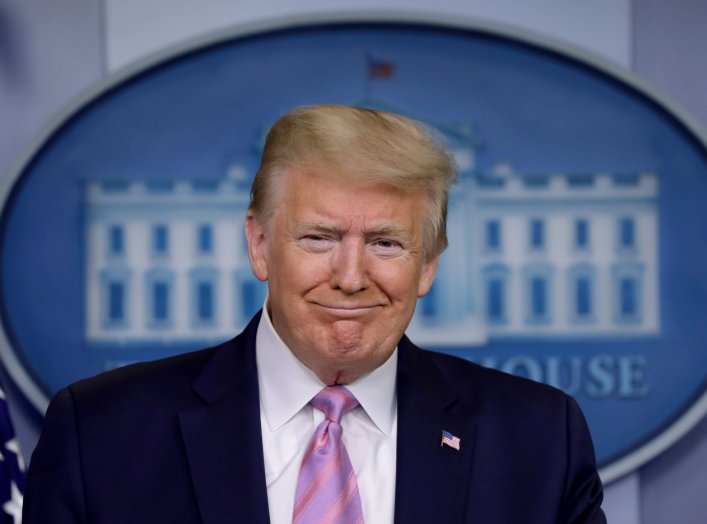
525,452
165,441
142,387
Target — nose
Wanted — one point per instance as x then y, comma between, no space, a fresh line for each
349,267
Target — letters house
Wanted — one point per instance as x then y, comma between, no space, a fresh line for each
542,255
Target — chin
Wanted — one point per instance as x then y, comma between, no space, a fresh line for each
345,377
345,361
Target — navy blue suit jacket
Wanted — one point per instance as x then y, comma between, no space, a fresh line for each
179,440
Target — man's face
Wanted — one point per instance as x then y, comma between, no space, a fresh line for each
344,265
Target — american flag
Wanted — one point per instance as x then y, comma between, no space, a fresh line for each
12,474
380,68
450,440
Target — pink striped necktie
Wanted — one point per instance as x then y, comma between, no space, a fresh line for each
327,491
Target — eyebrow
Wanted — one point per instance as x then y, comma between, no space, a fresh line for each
394,230
319,227
385,229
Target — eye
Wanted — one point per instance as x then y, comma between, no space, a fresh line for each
386,243
316,243
387,247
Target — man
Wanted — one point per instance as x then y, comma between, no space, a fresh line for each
346,223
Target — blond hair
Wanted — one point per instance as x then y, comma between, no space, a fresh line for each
362,144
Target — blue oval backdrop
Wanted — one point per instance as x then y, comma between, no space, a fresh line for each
577,232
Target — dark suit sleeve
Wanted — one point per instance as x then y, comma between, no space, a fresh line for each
54,492
583,495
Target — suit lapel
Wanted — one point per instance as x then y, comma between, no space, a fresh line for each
432,481
222,438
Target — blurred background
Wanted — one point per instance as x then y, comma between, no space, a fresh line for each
53,53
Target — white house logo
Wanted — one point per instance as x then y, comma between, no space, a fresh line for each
166,261
542,255
574,231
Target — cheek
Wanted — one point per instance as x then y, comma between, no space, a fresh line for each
400,282
296,270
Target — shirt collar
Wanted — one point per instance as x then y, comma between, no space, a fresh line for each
286,385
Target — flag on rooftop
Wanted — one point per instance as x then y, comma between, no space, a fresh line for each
378,69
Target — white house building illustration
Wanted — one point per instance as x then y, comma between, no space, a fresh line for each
166,259
571,255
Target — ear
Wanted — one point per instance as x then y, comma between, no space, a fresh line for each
427,276
255,234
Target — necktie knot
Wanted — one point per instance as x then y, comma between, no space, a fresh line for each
334,401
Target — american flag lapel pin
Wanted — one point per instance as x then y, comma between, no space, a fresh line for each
450,440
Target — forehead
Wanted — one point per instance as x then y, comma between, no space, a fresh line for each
333,194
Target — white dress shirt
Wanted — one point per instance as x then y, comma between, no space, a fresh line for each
288,422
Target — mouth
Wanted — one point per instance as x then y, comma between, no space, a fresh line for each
347,310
